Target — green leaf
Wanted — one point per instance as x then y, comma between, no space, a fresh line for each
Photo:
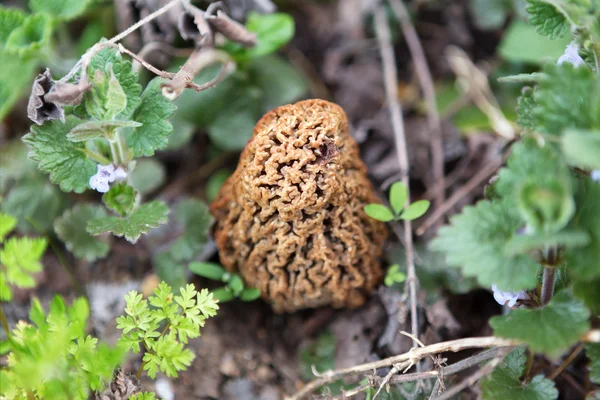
169,270
526,103
236,284
415,210
537,182
182,134
488,15
61,9
215,182
379,212
154,113
97,129
121,198
548,21
10,19
233,125
551,329
65,161
398,196
279,81
223,294
568,99
31,36
523,78
505,381
521,244
144,396
592,351
588,292
20,259
522,44
7,224
583,261
34,200
272,32
194,216
394,275
582,148
70,228
16,75
141,221
147,176
476,242
107,59
319,354
208,270
250,294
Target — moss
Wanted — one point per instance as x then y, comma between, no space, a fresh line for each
291,220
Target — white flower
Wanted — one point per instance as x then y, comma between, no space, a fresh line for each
595,175
507,298
571,55
105,175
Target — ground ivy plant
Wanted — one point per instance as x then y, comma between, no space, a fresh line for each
97,143
535,239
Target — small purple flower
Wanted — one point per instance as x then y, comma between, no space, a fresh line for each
508,298
106,174
571,55
595,175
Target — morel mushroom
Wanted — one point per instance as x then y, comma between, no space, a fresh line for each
291,219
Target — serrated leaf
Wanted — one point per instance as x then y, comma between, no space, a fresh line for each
31,36
379,212
121,198
7,224
582,148
154,113
139,222
592,351
19,260
415,210
70,228
521,244
568,99
476,240
148,175
208,270
65,161
123,71
62,9
10,19
97,129
547,206
548,21
526,103
398,196
551,329
505,383
583,262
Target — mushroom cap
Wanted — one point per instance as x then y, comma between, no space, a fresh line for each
290,219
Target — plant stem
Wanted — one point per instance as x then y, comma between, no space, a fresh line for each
138,374
528,365
97,157
114,151
122,147
141,368
566,363
548,284
4,322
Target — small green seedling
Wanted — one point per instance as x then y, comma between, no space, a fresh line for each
398,196
394,275
234,287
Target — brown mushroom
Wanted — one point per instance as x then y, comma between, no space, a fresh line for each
290,219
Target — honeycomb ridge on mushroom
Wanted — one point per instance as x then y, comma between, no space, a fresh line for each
290,219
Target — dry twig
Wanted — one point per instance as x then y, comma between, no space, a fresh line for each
413,355
426,83
391,89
